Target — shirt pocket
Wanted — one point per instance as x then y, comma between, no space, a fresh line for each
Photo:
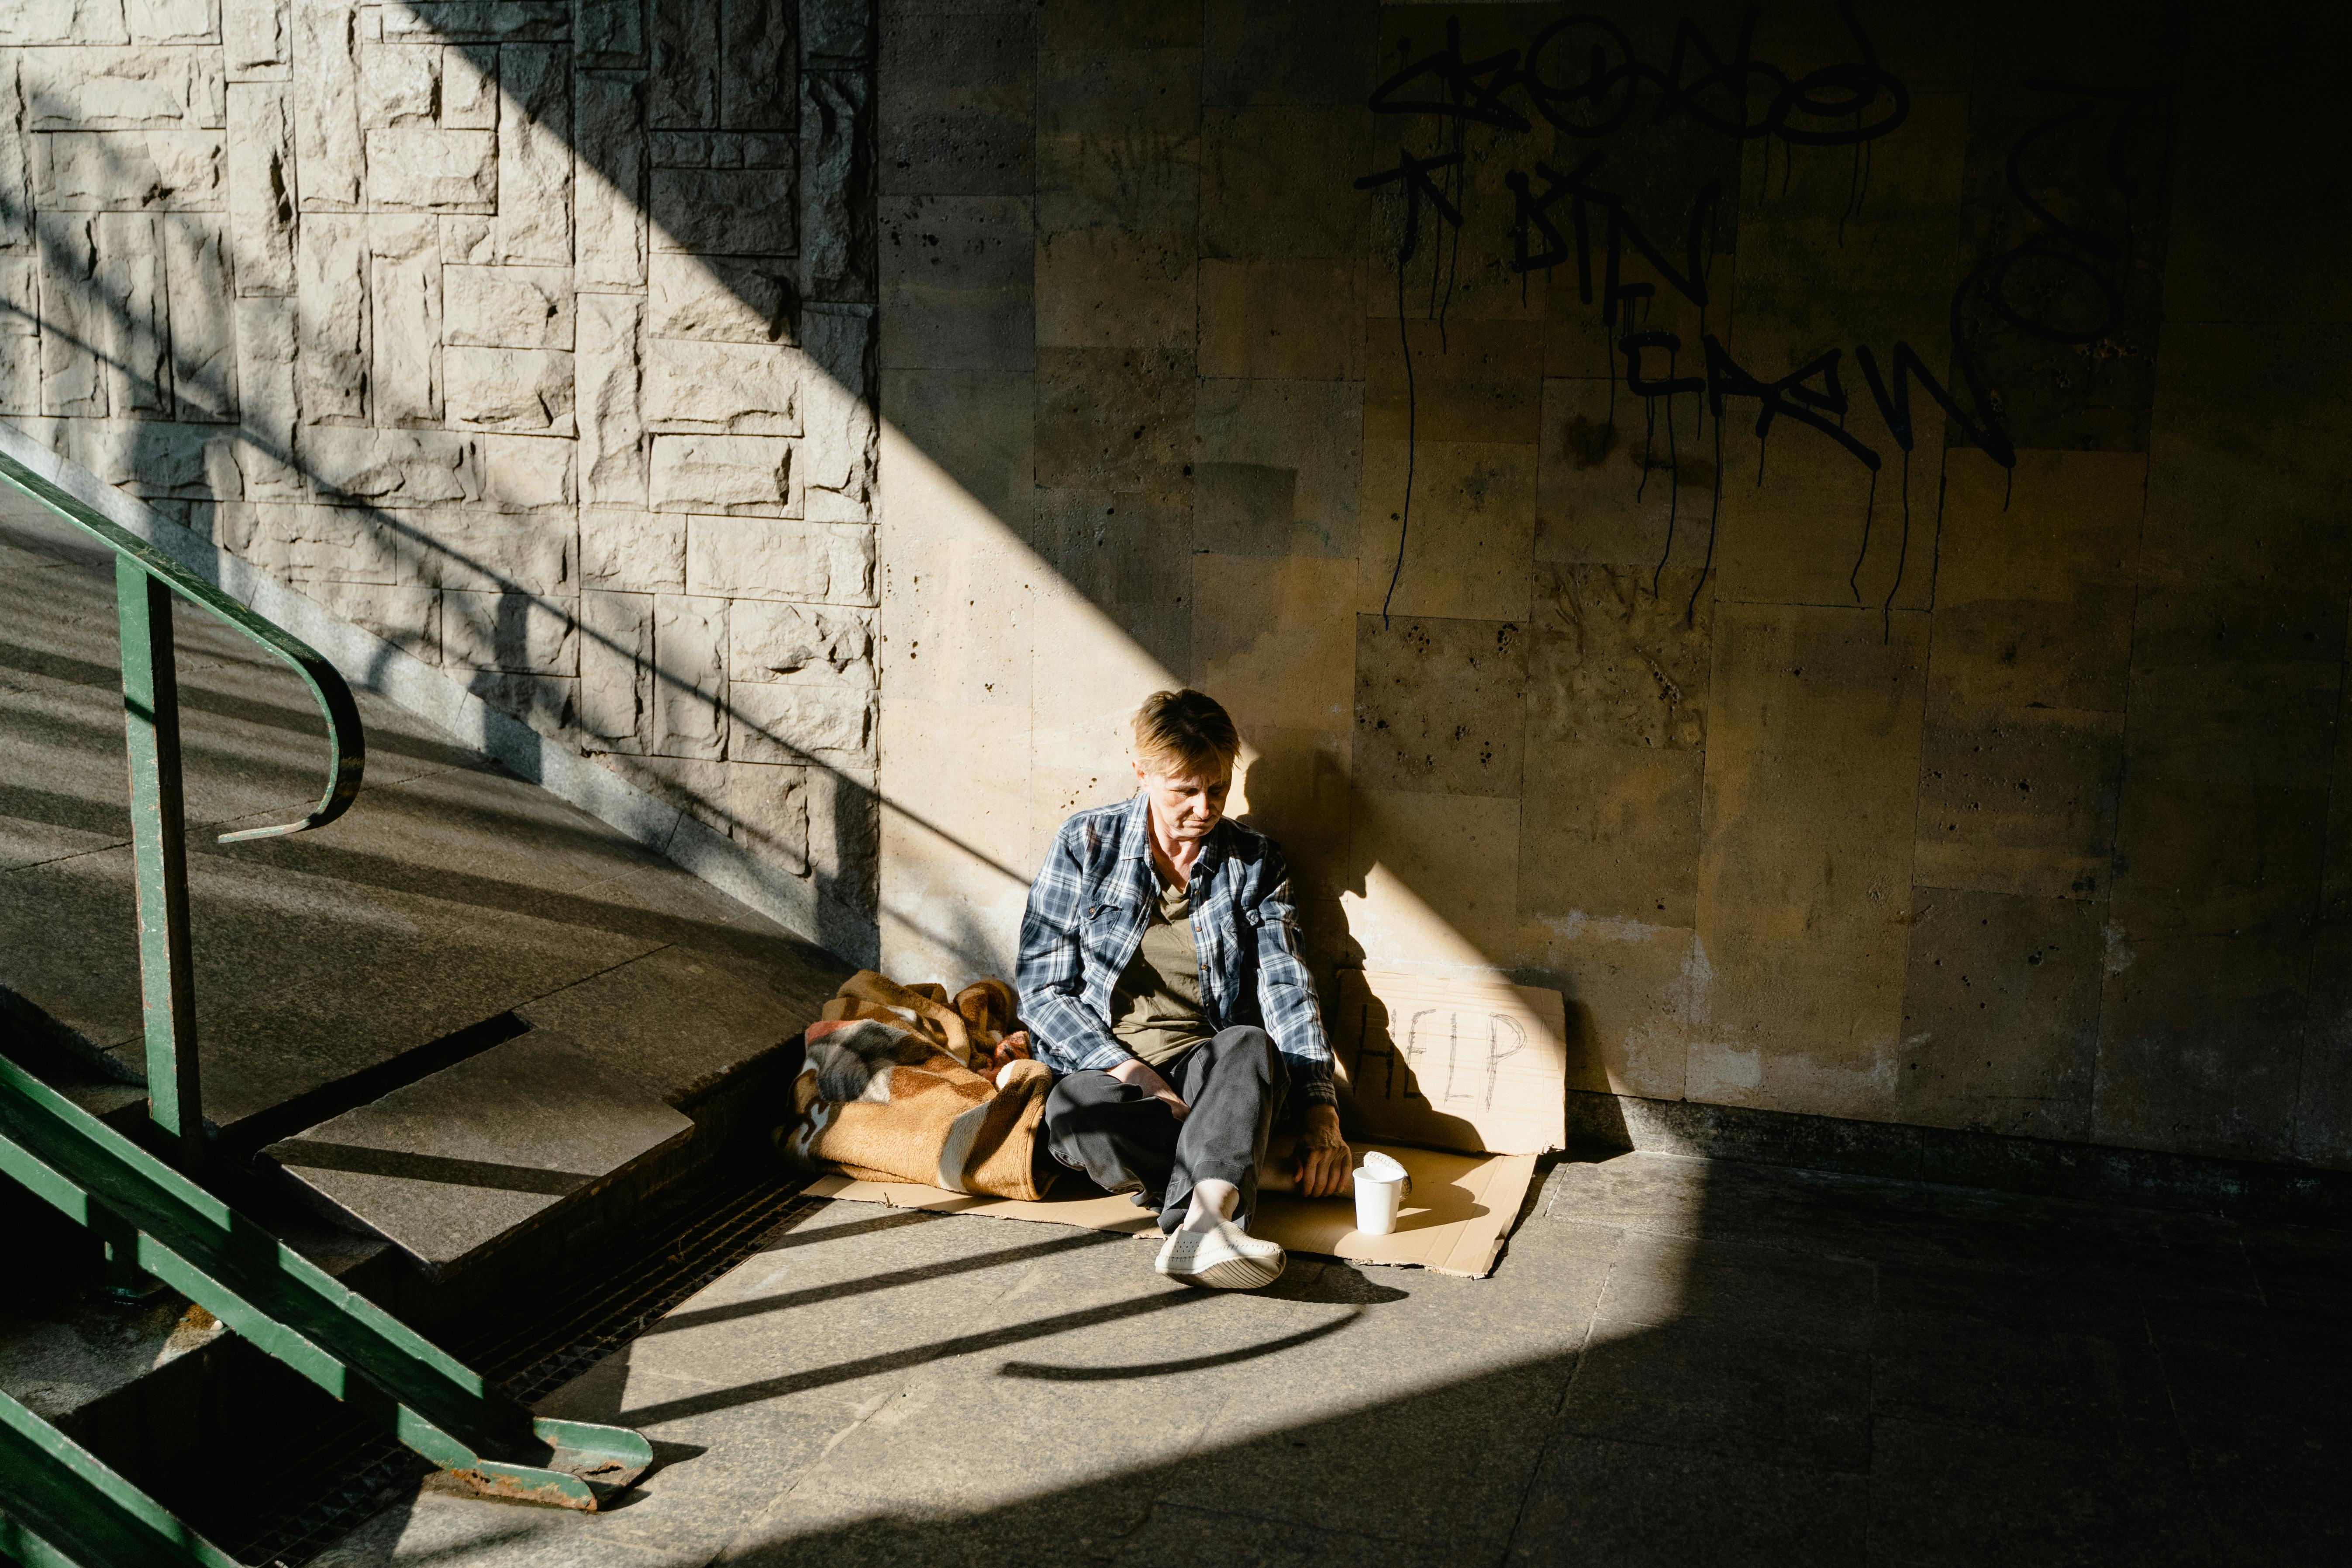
1103,932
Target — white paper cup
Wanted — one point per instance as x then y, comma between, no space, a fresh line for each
1380,1183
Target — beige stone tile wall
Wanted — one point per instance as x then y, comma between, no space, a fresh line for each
2009,796
536,335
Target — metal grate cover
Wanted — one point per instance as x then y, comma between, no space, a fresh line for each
330,1479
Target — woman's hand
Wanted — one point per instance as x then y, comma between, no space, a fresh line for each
1324,1157
1139,1073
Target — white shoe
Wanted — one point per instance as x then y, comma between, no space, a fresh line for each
1226,1258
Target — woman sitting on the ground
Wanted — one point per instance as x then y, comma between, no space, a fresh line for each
1160,974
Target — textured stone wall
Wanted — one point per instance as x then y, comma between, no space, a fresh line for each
533,335
1999,786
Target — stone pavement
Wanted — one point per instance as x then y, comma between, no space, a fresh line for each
1676,1362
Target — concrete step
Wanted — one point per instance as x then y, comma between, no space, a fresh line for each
156,1386
458,1166
389,969
244,1448
331,967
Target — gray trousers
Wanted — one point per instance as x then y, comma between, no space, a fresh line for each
1127,1141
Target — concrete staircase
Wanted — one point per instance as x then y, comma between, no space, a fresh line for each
464,1041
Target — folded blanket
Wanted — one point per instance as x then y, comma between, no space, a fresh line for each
889,1089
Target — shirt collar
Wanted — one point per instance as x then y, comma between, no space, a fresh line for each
1135,828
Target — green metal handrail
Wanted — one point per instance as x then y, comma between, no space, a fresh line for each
66,1507
145,580
293,1310
63,1505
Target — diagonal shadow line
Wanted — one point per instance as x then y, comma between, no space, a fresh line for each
232,761
53,808
899,1361
1042,1372
735,1310
411,1165
789,1236
250,768
359,868
194,698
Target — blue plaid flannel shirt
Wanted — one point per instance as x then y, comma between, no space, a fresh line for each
1086,917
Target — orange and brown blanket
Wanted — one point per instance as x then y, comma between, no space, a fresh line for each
904,1084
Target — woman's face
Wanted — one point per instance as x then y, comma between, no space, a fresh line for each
1188,803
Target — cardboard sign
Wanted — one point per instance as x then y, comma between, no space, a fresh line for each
1457,1063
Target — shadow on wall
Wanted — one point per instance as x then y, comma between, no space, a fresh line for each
164,415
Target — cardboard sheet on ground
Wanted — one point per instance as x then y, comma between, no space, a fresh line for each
1453,1220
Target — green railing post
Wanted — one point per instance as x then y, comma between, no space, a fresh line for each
160,1227
151,720
68,1509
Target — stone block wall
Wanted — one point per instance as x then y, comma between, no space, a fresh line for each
1833,753
535,336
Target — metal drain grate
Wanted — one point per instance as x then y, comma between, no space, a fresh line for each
328,1479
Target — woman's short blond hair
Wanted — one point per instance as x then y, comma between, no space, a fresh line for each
1184,732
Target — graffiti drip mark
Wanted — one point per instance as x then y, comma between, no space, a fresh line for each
1581,75
1649,441
1857,187
1674,489
1453,256
1869,506
1714,518
1936,562
1650,391
1853,191
1902,554
1413,175
1412,419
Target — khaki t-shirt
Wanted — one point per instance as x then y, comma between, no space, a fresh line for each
1155,1009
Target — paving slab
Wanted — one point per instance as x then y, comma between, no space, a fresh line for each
1698,1386
2090,1391
300,982
2080,1243
1947,1495
741,1388
1633,1505
1661,1280
744,1009
33,843
447,1166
